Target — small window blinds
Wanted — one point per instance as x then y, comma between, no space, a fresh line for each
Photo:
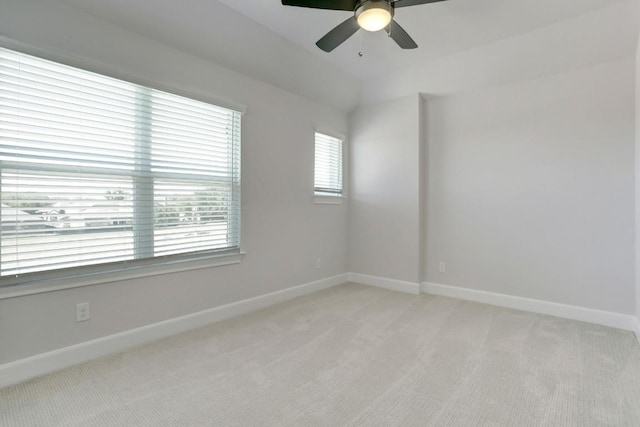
328,165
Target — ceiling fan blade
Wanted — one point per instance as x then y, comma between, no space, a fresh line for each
400,36
338,35
405,3
349,5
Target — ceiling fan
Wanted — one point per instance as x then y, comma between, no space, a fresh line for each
370,15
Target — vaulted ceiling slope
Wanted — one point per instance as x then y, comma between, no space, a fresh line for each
462,43
602,35
206,29
441,29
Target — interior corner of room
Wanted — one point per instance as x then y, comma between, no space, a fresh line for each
504,173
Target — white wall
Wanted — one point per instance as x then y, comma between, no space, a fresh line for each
384,219
637,188
283,230
529,177
530,188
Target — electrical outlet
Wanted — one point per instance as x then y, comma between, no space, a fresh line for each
83,311
442,267
318,262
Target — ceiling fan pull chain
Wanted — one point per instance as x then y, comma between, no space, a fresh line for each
389,26
387,29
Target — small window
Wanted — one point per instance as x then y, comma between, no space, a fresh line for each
328,166
96,171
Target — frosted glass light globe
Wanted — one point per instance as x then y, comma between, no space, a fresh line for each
374,18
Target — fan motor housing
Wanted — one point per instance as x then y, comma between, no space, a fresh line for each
366,5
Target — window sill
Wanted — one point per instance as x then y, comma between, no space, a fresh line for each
328,200
101,277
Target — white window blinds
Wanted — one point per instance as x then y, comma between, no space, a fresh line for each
328,165
95,170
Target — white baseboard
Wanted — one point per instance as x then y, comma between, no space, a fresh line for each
25,369
383,282
606,318
42,364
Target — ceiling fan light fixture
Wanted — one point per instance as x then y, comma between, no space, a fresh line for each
370,15
373,15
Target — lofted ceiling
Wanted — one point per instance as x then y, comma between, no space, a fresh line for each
440,29
462,43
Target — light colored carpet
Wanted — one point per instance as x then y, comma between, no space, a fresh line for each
353,355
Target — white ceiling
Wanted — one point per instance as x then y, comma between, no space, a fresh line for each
440,29
463,44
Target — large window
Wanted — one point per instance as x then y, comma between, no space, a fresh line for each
328,165
95,170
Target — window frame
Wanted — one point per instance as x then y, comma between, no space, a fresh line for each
45,281
328,198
